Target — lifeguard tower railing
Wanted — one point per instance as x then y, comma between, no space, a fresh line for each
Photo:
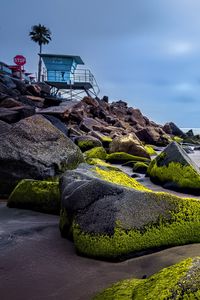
66,79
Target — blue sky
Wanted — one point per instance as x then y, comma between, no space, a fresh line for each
146,52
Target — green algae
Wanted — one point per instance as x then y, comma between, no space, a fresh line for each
177,139
181,226
122,157
43,196
171,283
120,178
101,163
96,152
85,145
140,167
185,177
149,149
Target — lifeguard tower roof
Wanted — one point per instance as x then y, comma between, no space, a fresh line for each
76,58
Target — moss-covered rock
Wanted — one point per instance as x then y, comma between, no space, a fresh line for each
122,157
178,282
114,216
43,196
140,167
97,152
106,140
174,169
87,142
150,150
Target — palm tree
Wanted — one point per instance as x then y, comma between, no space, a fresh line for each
41,35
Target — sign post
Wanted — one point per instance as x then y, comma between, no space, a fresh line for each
20,60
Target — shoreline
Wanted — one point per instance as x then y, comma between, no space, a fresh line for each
39,264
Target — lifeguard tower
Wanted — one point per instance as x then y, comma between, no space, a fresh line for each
66,78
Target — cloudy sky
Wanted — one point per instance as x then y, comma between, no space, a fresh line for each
146,52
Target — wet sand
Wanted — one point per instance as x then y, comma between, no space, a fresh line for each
36,263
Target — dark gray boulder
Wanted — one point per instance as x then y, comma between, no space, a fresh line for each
172,128
35,149
57,123
109,220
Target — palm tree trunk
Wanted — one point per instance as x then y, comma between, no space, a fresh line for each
40,64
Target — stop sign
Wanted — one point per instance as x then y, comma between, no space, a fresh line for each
19,60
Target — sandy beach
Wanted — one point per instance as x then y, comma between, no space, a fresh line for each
36,263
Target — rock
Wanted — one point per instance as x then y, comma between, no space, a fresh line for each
122,157
4,127
45,89
140,167
154,136
52,101
26,101
35,149
182,279
174,169
97,152
129,144
86,142
43,196
8,115
8,82
24,111
105,99
20,86
114,216
57,123
38,101
9,102
171,128
34,89
5,90
190,133
90,101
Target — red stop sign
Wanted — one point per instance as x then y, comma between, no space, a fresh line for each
19,60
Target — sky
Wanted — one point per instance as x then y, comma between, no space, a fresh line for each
145,52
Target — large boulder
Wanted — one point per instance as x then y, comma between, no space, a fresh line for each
171,128
35,149
110,215
153,135
180,281
128,144
174,169
38,195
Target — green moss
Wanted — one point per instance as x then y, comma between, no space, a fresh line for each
185,177
120,178
149,149
122,157
97,152
43,196
140,167
86,145
181,226
101,163
106,139
177,139
170,283
122,290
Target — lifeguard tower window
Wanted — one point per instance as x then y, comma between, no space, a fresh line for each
64,75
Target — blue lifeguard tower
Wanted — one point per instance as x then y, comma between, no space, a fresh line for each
65,76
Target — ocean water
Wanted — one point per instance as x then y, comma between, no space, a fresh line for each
195,130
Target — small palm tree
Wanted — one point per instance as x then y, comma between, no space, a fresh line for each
41,35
